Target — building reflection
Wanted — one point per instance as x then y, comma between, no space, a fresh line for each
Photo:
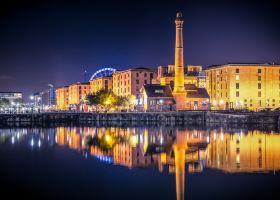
252,151
178,151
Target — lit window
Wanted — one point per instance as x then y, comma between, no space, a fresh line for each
237,77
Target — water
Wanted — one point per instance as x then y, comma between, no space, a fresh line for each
140,163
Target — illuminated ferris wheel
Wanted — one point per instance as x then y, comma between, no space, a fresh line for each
103,73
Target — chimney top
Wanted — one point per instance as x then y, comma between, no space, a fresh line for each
179,15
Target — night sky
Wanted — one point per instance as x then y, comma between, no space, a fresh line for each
45,42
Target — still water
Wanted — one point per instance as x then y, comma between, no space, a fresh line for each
140,163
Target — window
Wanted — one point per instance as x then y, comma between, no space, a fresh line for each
259,94
259,86
237,77
237,70
260,103
137,74
159,91
151,75
237,86
237,94
137,81
259,78
145,74
259,70
145,81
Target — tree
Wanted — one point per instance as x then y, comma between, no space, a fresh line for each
4,102
122,102
92,100
109,100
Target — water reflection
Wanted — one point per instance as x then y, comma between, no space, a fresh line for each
163,147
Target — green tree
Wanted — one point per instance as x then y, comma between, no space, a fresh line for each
109,100
122,102
92,100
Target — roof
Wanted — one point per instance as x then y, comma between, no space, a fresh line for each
136,69
242,64
190,87
157,90
198,93
79,83
62,87
10,92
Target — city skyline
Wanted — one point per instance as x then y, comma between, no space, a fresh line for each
54,42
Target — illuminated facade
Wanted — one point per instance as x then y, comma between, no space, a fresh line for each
62,98
239,86
101,83
129,82
15,97
48,99
78,92
194,75
155,97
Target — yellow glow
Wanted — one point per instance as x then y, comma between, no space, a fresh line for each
107,102
108,138
134,140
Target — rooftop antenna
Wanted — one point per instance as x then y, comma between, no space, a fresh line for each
85,75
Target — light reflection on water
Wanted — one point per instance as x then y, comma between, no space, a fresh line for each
177,150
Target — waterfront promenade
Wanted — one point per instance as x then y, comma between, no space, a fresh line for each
176,117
